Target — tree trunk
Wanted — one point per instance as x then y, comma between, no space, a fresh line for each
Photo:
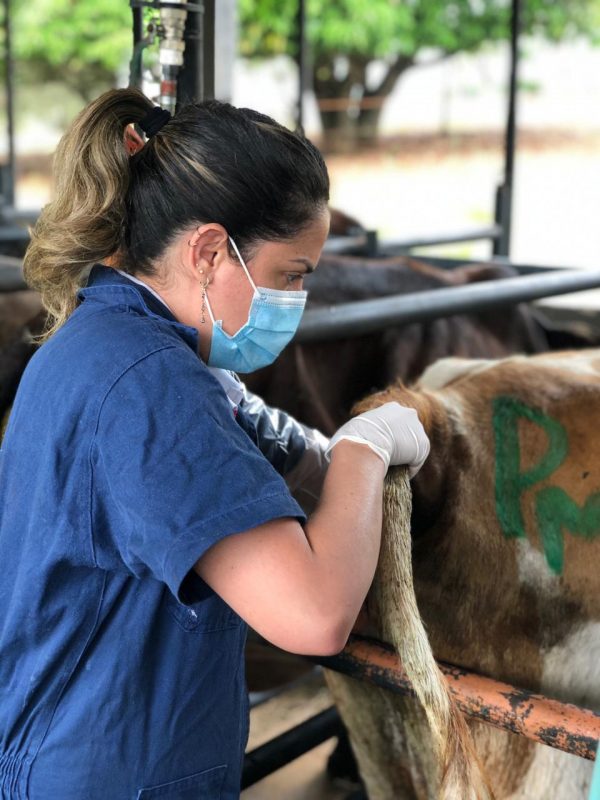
367,125
344,131
349,111
340,132
336,106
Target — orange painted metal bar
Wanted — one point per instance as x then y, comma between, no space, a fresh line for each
561,725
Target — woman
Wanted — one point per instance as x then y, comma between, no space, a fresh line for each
141,527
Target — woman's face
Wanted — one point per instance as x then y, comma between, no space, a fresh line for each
273,265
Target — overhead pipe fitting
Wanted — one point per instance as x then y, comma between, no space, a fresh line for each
170,50
169,28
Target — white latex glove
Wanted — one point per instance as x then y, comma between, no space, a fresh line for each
392,431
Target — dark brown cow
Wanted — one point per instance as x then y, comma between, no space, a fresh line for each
21,318
319,382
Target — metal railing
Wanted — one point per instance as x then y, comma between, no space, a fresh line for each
366,316
563,726
291,744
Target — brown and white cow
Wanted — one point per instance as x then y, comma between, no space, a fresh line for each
505,559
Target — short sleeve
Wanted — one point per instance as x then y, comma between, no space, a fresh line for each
174,472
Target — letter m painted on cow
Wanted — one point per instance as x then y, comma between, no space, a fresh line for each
554,509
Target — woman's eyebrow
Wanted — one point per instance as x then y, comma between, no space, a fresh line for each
310,267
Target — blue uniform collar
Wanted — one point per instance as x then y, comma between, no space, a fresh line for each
106,285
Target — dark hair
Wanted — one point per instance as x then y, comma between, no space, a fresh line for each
211,162
216,163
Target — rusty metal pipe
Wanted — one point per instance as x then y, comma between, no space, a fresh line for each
561,725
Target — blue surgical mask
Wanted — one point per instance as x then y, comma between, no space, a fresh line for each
273,320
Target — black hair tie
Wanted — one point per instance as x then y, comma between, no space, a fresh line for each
154,120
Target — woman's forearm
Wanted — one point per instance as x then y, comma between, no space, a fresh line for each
344,533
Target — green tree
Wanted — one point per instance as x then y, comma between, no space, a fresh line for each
81,43
346,36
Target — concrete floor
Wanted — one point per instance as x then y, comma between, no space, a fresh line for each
305,778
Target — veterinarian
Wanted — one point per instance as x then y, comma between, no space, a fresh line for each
144,519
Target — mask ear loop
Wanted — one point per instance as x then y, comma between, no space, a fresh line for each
243,263
206,301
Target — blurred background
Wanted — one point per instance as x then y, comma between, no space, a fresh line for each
408,101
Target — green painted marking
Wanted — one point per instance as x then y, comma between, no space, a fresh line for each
554,509
510,481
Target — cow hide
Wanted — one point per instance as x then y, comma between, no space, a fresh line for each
319,382
505,545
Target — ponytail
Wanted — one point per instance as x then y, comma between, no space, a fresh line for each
84,222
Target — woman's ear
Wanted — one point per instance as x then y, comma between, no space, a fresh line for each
207,247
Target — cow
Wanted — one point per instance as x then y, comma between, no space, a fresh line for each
17,309
319,382
21,320
505,542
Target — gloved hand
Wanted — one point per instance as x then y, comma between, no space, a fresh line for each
392,431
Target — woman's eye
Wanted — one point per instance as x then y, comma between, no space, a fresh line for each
293,277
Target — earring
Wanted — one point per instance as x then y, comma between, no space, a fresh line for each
190,242
203,308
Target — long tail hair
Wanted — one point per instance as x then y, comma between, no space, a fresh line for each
461,775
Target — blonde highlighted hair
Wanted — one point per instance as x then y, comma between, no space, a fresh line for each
83,223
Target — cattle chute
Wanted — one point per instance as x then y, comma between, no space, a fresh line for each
353,319
563,726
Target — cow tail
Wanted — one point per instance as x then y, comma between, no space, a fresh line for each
460,772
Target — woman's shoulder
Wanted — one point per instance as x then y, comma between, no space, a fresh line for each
112,338
112,352
165,374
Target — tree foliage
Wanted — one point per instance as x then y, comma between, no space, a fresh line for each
384,28
346,35
79,42
83,43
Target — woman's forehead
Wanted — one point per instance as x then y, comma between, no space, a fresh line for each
303,248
